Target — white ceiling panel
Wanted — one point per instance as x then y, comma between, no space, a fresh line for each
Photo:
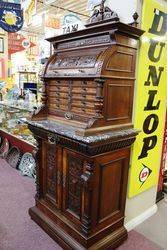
60,8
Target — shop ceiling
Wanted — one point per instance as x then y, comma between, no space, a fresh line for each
77,7
58,8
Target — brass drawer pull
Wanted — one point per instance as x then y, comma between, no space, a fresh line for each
68,116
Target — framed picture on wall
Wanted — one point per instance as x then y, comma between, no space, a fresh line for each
1,45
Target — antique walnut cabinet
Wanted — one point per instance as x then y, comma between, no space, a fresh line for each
84,132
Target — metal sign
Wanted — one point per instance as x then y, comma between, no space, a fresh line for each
150,108
17,42
11,16
72,23
29,8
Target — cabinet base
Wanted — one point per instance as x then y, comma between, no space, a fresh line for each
110,242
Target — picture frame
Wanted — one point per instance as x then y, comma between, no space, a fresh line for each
1,45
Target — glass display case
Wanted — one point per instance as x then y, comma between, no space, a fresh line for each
10,121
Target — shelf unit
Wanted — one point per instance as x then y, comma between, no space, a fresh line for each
12,127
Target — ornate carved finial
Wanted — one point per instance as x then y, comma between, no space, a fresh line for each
103,13
135,17
102,8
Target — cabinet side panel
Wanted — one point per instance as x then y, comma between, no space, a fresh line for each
110,187
110,182
119,103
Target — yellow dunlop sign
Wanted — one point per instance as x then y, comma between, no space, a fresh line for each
150,99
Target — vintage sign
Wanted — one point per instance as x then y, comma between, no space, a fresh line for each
11,16
52,22
150,98
29,9
17,42
72,23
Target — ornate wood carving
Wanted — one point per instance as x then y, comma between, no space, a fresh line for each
99,97
87,183
37,156
75,170
105,13
51,172
85,42
77,62
53,139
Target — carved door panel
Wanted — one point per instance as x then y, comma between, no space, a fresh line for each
52,177
73,167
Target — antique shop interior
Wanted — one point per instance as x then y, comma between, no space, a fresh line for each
83,124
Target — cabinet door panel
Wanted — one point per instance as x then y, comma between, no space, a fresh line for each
73,167
52,174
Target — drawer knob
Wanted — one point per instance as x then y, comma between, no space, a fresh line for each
68,116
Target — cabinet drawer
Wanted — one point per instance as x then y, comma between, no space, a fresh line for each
58,90
83,110
84,90
57,101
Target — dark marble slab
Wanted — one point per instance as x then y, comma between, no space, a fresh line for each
70,132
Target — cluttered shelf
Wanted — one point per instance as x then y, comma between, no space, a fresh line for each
17,143
19,106
10,115
19,137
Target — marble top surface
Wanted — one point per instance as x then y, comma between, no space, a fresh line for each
70,131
